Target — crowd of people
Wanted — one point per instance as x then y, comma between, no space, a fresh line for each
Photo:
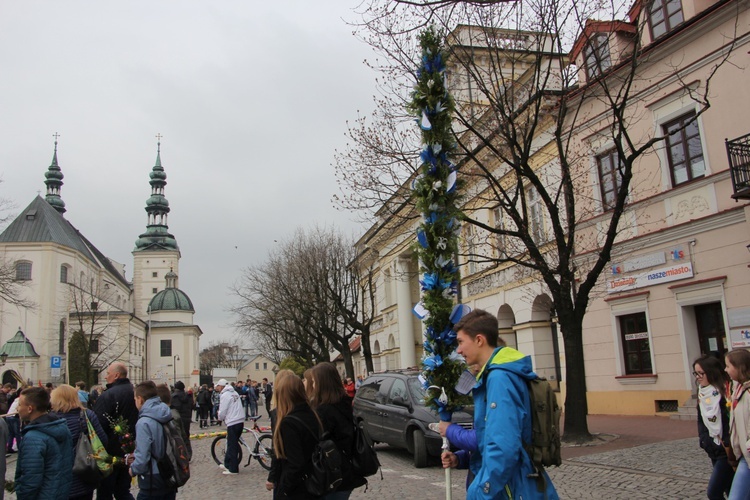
43,424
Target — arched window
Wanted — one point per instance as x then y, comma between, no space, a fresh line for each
63,274
23,271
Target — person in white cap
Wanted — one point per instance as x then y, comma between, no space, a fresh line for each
230,411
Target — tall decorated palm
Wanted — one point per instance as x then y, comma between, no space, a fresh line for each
436,194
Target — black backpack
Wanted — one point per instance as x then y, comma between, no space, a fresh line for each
174,465
365,461
325,473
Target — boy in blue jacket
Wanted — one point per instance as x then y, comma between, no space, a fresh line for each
45,454
150,443
502,416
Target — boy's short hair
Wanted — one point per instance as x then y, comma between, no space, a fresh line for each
81,385
479,322
162,390
38,397
146,390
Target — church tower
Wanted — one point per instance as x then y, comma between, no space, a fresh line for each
156,252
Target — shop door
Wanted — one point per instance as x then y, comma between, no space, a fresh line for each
710,323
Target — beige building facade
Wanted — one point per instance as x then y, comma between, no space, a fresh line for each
677,285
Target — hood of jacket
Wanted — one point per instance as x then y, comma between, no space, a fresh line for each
51,425
156,409
508,359
228,388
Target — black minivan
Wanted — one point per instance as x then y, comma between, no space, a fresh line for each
390,406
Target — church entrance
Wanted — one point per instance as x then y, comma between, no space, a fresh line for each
11,377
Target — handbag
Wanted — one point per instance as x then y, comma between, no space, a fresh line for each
103,460
84,463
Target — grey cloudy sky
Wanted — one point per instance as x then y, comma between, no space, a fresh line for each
251,98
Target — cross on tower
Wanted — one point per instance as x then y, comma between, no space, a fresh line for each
55,135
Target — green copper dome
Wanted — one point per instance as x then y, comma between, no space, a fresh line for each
171,299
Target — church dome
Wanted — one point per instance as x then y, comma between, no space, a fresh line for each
171,299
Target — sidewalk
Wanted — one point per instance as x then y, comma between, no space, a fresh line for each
631,431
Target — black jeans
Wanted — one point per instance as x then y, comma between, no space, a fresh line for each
232,458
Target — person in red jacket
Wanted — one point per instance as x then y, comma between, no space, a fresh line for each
350,388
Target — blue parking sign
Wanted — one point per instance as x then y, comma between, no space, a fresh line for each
55,362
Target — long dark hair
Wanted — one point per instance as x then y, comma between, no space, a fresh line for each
715,373
288,393
328,386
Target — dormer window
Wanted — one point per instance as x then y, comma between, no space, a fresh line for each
663,16
596,56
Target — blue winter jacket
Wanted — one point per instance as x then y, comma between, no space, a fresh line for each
150,443
502,422
45,460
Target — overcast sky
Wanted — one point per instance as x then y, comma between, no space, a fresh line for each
251,99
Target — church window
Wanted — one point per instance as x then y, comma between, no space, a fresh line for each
166,348
23,271
61,339
154,290
63,274
154,274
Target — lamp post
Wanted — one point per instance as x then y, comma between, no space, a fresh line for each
175,359
3,358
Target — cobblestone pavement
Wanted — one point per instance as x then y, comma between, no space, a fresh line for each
667,470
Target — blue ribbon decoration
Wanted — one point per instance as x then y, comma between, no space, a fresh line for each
422,238
432,362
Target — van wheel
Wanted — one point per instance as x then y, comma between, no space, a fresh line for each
420,449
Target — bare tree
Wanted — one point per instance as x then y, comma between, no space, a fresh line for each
306,300
96,338
522,126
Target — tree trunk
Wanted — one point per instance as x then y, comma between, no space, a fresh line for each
576,406
366,350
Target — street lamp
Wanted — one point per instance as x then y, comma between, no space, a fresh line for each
175,359
3,358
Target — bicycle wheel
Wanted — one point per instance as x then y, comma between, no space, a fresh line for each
264,450
219,450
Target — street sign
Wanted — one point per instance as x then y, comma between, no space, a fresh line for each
55,362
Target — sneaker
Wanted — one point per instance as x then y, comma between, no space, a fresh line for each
222,467
230,473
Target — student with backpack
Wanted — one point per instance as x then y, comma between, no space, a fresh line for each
334,407
150,444
501,465
294,439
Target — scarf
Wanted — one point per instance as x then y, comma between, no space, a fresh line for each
709,398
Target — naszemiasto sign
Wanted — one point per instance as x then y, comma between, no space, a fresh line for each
651,277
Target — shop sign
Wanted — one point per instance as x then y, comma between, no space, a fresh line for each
640,262
740,337
636,336
649,278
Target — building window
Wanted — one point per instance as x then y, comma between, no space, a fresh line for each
61,339
471,248
154,290
155,274
23,271
497,218
257,366
610,177
684,149
663,16
94,346
166,348
596,57
635,344
536,220
265,366
63,274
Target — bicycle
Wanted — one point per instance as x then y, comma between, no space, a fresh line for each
262,451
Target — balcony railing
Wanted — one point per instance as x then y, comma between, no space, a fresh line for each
738,151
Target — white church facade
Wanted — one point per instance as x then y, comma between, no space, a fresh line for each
72,291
